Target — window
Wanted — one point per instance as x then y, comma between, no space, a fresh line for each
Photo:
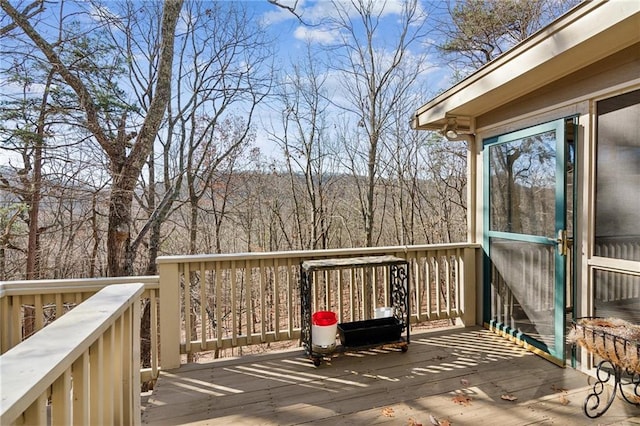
617,226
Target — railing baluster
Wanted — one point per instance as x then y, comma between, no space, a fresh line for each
16,320
248,278
290,302
5,324
187,307
154,331
59,305
38,312
36,414
108,379
418,277
218,278
340,290
203,307
234,304
81,382
117,370
352,293
429,291
60,404
97,371
263,303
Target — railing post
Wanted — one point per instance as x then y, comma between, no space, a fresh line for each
169,315
469,287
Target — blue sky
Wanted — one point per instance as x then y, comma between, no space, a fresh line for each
292,36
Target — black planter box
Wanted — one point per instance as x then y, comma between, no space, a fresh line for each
370,332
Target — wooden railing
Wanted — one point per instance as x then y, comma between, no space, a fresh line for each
28,306
245,299
233,300
81,369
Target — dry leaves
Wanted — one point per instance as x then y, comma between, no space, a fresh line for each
464,382
461,399
507,397
387,412
435,422
413,422
563,397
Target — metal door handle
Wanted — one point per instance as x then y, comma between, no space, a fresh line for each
563,243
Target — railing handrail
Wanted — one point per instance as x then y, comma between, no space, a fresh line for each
360,251
28,287
32,366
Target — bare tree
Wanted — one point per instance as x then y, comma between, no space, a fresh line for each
127,150
306,144
376,73
223,61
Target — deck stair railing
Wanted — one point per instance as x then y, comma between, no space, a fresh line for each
28,306
84,368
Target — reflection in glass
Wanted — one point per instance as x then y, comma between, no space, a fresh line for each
617,294
618,177
522,185
523,288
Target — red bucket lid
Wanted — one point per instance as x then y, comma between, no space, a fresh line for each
324,318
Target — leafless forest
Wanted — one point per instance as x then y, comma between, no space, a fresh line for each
130,130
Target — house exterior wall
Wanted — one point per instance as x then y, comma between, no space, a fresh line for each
572,96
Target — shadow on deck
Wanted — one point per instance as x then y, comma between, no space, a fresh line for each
457,375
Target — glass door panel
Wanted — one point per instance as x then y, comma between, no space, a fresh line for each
525,241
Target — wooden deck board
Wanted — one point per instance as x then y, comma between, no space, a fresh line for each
382,387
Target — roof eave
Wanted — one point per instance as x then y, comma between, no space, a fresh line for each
574,41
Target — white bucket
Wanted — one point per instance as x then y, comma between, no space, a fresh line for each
324,329
383,312
324,336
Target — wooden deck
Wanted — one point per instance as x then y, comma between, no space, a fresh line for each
456,375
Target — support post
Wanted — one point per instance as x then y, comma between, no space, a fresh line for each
469,287
169,315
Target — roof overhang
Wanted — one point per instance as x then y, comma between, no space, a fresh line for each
588,33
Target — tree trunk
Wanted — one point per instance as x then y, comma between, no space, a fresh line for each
125,169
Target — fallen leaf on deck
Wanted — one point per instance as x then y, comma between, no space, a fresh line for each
387,412
564,400
509,397
462,400
436,422
557,389
413,422
464,382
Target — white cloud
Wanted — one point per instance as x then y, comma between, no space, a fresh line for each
316,35
318,11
